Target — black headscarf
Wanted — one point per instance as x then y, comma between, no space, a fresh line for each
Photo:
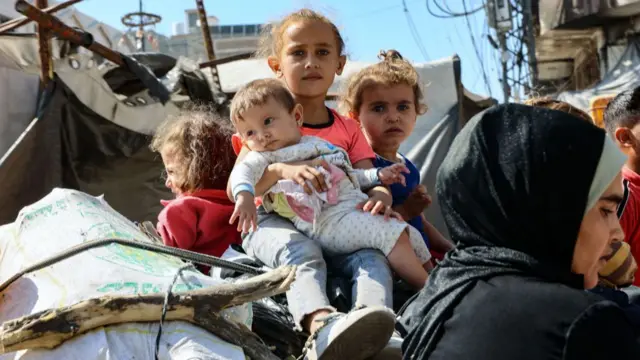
513,191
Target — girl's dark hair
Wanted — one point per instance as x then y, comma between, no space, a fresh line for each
201,140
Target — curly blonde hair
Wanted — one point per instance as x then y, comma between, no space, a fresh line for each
271,38
392,70
201,140
553,104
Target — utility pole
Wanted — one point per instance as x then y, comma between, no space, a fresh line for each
500,19
504,57
528,22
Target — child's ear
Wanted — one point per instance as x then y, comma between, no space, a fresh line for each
298,114
274,64
341,63
624,137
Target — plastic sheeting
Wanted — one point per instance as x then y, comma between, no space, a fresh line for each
71,146
624,75
92,139
66,218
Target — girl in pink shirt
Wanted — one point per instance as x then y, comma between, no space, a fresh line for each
306,51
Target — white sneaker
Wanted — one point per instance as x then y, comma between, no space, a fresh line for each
393,349
357,335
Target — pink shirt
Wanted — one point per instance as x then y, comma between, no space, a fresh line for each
340,131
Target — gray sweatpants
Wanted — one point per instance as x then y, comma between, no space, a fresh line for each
276,242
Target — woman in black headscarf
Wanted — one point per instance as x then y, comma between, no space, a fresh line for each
530,196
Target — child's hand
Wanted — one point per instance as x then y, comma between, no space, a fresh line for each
305,173
245,212
417,201
393,174
389,213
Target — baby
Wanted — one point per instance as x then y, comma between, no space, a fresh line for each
267,119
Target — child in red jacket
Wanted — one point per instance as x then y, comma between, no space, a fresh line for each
195,150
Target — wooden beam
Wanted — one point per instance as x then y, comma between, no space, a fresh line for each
50,328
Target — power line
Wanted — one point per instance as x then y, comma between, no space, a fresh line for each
414,32
448,13
475,48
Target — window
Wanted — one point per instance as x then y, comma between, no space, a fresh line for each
238,29
225,30
215,30
250,29
193,20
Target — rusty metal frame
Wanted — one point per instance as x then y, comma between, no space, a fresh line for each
16,23
208,43
65,32
225,60
44,47
49,24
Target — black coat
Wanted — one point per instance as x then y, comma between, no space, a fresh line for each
513,190
513,317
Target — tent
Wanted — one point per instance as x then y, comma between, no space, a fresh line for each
94,124
624,75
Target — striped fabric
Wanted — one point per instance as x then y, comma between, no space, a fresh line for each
620,268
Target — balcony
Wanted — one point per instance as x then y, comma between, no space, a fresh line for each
582,14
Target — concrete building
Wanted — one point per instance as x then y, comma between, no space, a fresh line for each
577,42
187,39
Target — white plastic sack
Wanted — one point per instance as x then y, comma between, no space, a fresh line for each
66,218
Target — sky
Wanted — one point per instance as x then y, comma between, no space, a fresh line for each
367,26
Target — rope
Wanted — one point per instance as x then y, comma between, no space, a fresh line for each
165,305
162,249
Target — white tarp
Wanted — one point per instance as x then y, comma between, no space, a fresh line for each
66,218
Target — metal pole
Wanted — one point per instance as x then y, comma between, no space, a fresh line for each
206,33
527,19
225,60
65,32
46,66
504,56
16,23
142,40
208,43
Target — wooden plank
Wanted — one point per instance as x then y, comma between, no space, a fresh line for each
50,328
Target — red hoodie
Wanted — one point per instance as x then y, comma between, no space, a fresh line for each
629,213
199,222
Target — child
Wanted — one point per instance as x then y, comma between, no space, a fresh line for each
197,219
386,99
621,120
553,104
267,119
306,51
